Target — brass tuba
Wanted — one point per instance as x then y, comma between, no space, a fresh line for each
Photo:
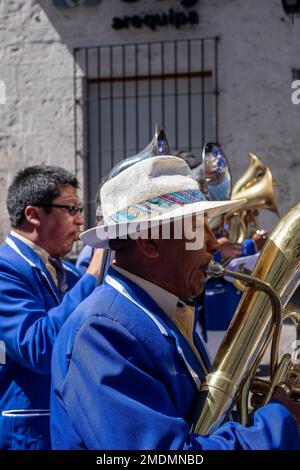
257,186
251,329
214,178
213,174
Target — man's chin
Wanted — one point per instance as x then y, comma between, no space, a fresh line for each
64,252
196,292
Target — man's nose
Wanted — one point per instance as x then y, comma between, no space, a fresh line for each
79,219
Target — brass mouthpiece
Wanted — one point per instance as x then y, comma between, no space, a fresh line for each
214,269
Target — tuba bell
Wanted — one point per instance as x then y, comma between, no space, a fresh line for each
253,326
213,173
156,147
257,186
214,178
253,174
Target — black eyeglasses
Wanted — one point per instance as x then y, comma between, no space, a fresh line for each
73,210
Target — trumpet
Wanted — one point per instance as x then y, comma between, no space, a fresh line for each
257,321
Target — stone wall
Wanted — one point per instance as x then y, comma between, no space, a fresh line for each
259,47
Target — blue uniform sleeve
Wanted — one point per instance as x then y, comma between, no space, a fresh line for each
116,399
218,257
27,328
248,247
273,428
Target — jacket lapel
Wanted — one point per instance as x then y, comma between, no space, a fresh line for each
32,259
139,297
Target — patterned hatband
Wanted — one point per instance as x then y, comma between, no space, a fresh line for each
155,206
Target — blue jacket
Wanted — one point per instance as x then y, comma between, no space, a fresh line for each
31,314
125,378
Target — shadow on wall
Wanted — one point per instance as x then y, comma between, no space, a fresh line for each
78,26
93,23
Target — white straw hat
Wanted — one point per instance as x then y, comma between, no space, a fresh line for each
153,191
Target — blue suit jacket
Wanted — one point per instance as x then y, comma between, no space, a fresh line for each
125,378
31,314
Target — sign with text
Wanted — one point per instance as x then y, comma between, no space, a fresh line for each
153,20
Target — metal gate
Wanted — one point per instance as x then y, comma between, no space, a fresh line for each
123,91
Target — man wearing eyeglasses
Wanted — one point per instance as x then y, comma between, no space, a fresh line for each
38,292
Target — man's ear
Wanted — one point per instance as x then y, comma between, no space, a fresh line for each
148,247
33,215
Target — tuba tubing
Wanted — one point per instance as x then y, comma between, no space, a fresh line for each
249,332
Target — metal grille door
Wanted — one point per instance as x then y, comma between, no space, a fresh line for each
128,89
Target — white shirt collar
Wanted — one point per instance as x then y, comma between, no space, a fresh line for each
164,299
41,252
38,249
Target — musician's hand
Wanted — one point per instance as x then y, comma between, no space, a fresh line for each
229,249
260,237
293,406
95,263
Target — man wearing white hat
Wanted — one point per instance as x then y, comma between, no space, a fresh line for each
128,364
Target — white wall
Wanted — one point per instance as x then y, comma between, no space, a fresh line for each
258,48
